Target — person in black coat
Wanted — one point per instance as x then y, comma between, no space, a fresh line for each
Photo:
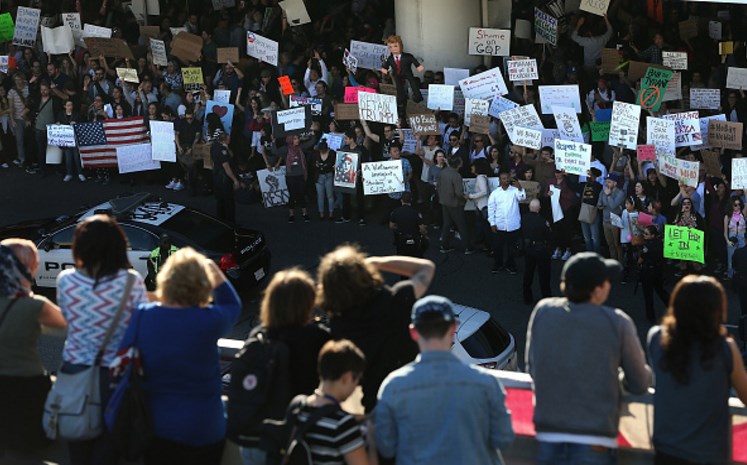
652,268
399,66
739,263
70,155
537,235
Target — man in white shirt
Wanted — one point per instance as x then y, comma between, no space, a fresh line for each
311,78
505,220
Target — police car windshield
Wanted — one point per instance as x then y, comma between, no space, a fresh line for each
202,230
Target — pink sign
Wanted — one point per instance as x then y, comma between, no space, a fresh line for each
351,93
645,220
646,153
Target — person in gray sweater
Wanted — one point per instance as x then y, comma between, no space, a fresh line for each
575,348
611,200
451,196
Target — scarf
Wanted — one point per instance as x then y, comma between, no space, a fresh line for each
12,272
294,151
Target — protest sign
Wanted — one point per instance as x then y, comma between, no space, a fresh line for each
382,177
314,103
597,7
675,60
57,41
712,163
60,135
6,27
388,89
611,59
522,70
683,243
474,107
572,157
224,112
154,8
459,103
725,134
549,136
522,29
228,54
158,49
413,108
644,219
686,128
600,130
653,86
285,85
273,187
134,158
150,32
222,95
524,116
262,48
557,210
175,31
725,48
681,170
346,111
637,69
736,78
688,28
705,99
480,124
192,78
646,153
295,12
560,96
486,85
349,61
351,93
116,48
127,75
90,30
425,124
27,25
739,173
532,189
674,88
714,30
546,26
162,140
346,169
334,141
616,221
492,42
4,64
624,127
567,123
440,97
525,137
290,122
452,76
378,107
499,104
704,130
409,141
370,56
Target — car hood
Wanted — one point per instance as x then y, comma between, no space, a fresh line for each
32,230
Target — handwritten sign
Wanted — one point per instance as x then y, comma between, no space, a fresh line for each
560,96
474,106
567,123
285,85
108,47
725,134
440,97
712,163
682,170
222,95
57,41
334,141
314,103
4,64
600,130
27,24
228,54
127,75
739,173
90,30
705,99
597,7
135,158
646,153
610,60
6,27
60,135
736,78
653,86
192,78
725,48
675,60
273,187
383,177
714,30
262,48
452,76
424,124
351,93
158,49
704,122
186,47
162,140
224,112
624,128
486,85
500,104
525,137
349,61
546,26
689,28
292,121
532,189
573,157
378,107
674,88
295,12
522,70
521,117
683,243
370,56
480,124
346,111
491,42
686,128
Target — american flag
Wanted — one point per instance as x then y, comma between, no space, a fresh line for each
98,141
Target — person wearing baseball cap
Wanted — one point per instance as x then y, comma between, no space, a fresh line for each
610,202
575,348
438,396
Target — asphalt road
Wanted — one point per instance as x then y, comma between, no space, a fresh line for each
464,279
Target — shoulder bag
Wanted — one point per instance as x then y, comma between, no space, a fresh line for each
588,213
73,408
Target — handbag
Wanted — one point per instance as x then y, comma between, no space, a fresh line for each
588,213
73,410
127,416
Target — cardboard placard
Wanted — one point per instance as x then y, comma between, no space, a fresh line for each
637,69
600,131
597,7
128,75
573,157
158,49
314,103
150,32
712,163
675,60
546,26
273,186
226,54
382,177
474,107
525,137
486,85
705,99
285,85
567,123
522,70
521,117
388,89
289,122
725,134
704,129
674,88
370,56
349,61
490,42
222,96
135,158
295,12
452,76
736,78
262,48
660,134
532,189
500,104
624,128
192,78
346,171
424,124
653,86
346,111
688,28
440,97
163,140
686,128
714,30
27,25
117,48
559,96
725,48
187,47
58,41
60,135
378,107
611,59
480,124
351,93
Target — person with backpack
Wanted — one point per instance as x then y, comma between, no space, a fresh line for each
278,362
321,432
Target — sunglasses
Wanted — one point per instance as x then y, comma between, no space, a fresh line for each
738,205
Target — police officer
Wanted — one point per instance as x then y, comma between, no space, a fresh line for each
652,268
739,263
224,180
157,258
537,233
410,233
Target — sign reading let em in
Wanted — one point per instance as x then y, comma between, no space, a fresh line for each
683,243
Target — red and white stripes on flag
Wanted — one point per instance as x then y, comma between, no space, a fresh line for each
125,131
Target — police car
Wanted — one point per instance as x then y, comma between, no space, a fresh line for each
242,254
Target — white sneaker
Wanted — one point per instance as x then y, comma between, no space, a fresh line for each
566,255
82,177
556,255
17,162
178,186
67,178
171,184
4,166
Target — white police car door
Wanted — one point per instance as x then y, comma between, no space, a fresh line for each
55,255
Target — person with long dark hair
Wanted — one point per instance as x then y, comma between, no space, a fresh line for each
296,173
689,218
695,365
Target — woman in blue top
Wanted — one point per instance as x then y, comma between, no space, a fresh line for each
695,366
177,337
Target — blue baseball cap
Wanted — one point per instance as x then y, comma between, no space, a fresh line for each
433,305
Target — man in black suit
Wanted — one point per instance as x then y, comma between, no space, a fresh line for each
400,64
459,150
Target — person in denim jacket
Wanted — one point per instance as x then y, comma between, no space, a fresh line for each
438,397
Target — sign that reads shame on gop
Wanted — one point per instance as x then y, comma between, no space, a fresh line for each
492,42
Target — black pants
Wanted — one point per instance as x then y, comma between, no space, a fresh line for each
22,404
454,216
664,459
360,201
402,89
652,280
740,285
565,228
225,203
164,452
539,258
507,240
296,191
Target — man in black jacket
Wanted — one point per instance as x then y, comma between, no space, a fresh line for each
400,64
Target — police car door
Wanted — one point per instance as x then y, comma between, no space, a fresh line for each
55,255
141,242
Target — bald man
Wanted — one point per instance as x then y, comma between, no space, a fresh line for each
536,231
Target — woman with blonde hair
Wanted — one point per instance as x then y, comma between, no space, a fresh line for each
177,339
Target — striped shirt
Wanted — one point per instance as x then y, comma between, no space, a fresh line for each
333,436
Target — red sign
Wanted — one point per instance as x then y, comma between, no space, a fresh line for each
351,93
285,85
646,153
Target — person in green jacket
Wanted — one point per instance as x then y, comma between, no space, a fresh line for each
156,260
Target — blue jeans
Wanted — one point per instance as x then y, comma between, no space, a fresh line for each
730,253
566,453
324,191
253,456
72,161
591,234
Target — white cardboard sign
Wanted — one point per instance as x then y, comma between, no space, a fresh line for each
660,134
262,48
522,70
686,128
567,123
705,99
383,177
57,41
474,107
521,117
624,126
27,25
163,141
440,97
452,76
60,135
573,157
499,104
491,42
739,173
134,158
158,48
675,60
378,107
486,85
525,137
597,7
561,96
370,56
736,78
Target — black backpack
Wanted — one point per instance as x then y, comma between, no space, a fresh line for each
298,451
259,389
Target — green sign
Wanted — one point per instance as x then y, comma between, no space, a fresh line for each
600,131
6,27
653,88
683,243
